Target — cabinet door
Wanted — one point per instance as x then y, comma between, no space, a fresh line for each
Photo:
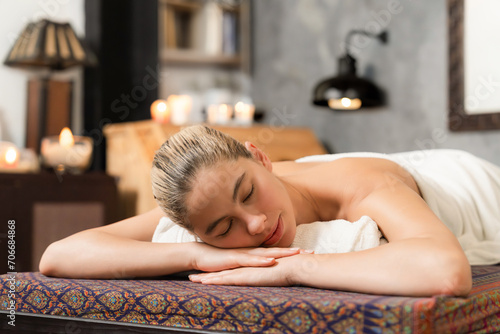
46,208
53,221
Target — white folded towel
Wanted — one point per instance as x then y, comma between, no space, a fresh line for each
336,236
169,232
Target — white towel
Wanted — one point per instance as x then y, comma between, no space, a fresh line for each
336,236
464,192
460,188
169,232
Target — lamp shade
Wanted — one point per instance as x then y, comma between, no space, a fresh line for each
347,91
50,45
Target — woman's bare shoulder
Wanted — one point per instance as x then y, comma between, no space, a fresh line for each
282,168
361,174
347,164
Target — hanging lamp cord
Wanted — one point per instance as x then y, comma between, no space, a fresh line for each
382,36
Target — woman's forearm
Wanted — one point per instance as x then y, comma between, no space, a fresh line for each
419,267
97,254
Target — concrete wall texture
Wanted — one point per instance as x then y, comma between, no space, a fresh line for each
296,44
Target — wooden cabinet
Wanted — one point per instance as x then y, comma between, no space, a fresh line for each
205,32
131,148
45,207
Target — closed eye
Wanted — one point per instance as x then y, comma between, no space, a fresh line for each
249,195
227,230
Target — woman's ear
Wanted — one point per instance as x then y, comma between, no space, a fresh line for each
259,155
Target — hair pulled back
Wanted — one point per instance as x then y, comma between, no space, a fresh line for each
178,160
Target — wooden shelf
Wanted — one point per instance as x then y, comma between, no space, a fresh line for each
188,5
196,32
169,56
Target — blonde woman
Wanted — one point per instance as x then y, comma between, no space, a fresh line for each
246,209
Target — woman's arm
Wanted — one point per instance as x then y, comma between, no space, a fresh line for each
422,257
112,251
124,249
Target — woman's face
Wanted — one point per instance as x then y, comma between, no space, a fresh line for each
241,204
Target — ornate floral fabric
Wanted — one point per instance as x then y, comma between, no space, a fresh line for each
181,303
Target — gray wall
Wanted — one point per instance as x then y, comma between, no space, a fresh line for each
297,42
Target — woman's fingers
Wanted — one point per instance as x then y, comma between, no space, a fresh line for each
199,278
241,276
211,259
246,260
276,252
253,276
264,257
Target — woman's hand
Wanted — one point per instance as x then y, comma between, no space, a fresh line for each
279,274
210,259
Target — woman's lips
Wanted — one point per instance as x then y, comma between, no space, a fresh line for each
275,235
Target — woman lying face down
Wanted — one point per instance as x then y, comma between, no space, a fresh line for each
227,194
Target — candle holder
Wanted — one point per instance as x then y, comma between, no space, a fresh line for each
243,113
219,113
160,112
180,108
67,154
15,160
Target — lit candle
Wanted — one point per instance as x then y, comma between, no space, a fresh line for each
160,111
67,152
14,160
9,156
243,113
219,113
180,108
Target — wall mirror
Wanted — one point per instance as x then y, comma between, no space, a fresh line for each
474,66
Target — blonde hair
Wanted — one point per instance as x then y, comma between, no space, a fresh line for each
178,160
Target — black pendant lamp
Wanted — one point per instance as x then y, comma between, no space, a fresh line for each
347,91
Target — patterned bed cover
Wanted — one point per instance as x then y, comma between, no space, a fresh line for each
181,304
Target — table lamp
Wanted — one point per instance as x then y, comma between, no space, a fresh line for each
53,46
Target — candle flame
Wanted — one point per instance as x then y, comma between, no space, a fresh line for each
10,155
162,107
160,111
239,107
66,138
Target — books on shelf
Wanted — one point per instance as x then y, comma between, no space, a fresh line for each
212,37
230,33
209,28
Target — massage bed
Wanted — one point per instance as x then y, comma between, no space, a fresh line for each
173,304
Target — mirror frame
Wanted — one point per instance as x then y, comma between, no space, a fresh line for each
458,119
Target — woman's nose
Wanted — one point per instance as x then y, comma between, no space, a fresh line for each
256,223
